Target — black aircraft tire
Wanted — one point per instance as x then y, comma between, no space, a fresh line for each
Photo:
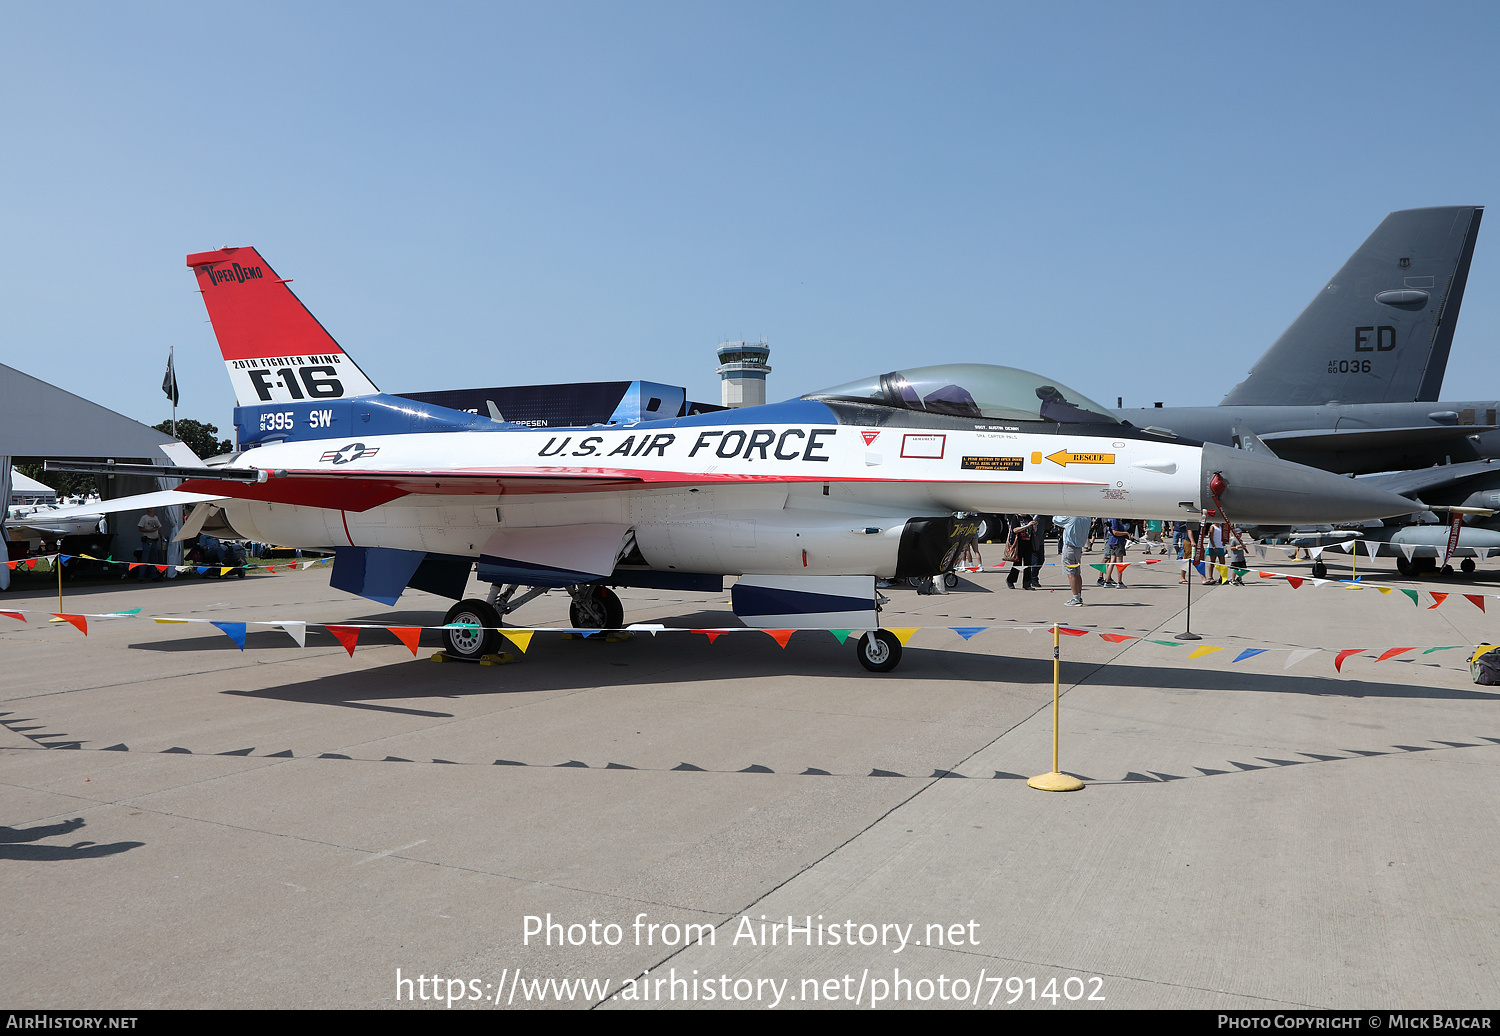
609,602
470,644
879,652
1403,566
1468,565
1319,570
1447,570
950,580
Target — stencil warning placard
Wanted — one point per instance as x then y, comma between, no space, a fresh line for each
993,463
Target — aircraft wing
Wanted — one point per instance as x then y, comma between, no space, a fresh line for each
1324,440
362,490
1443,477
365,488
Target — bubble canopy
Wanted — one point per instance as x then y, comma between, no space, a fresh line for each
973,390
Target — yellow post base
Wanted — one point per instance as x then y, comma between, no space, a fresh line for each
1055,782
439,657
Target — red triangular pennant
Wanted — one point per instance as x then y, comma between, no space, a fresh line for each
1294,581
76,620
347,636
1477,600
780,636
1338,663
408,635
1072,632
712,635
1437,599
1392,653
14,615
1117,638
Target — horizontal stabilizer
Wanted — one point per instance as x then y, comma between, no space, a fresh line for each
164,498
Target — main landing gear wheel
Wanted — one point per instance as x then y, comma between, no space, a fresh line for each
1320,570
1403,566
879,652
599,609
1468,565
478,638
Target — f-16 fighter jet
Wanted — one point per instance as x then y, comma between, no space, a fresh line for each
808,501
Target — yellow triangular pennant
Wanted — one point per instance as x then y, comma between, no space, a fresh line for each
520,638
1205,650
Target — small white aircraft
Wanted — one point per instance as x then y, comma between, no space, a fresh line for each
809,501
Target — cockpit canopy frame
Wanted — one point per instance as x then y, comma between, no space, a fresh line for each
977,390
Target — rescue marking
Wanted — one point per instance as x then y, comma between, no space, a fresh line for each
1066,457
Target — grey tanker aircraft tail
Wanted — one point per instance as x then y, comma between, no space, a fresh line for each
1380,330
1351,386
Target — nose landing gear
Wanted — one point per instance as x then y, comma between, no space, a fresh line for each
878,651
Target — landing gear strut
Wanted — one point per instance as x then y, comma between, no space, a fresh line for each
595,608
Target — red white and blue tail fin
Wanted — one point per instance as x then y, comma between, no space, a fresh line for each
275,350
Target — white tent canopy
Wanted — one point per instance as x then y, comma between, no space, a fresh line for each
25,490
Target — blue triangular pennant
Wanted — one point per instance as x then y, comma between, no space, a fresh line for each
1247,653
968,631
235,631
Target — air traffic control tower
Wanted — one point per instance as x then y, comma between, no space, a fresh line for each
743,370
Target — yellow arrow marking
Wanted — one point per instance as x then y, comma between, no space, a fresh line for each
1065,457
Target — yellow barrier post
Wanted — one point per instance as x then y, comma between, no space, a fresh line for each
1056,780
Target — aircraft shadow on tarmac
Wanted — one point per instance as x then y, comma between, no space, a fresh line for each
13,847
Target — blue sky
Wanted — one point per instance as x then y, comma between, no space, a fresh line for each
1135,199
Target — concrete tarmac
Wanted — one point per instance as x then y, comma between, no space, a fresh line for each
188,825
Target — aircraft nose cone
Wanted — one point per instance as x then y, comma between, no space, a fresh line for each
1266,491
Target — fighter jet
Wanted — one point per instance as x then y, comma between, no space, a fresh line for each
808,501
1352,385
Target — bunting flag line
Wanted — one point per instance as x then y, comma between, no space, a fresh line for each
46,562
348,634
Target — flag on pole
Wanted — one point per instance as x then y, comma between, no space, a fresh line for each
169,381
